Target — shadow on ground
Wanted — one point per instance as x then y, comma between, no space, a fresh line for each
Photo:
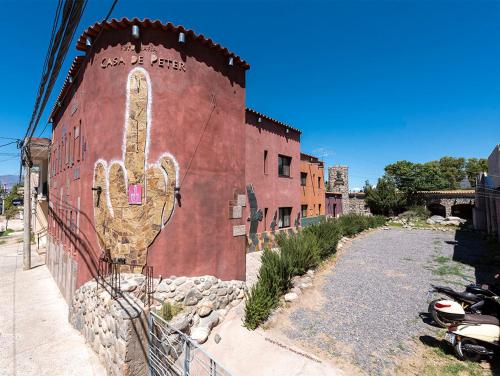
483,255
476,250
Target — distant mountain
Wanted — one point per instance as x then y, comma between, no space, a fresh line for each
9,180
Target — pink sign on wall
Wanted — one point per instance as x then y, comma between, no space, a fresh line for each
135,194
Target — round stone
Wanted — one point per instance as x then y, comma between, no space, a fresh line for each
180,280
205,308
290,297
200,334
192,297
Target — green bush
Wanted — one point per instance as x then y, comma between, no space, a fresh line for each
298,253
6,232
275,273
258,306
273,281
327,234
416,212
169,310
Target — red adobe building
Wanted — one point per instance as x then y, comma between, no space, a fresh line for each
152,154
273,169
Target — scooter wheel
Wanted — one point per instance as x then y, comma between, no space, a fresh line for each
466,355
435,316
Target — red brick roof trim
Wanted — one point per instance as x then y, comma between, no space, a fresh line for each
449,192
125,23
252,111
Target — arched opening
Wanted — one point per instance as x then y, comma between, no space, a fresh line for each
437,209
462,210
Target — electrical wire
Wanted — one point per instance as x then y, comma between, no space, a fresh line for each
8,143
87,56
73,19
51,50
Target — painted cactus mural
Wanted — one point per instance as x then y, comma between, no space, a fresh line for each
133,200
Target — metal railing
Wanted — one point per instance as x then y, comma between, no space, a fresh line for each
173,353
109,276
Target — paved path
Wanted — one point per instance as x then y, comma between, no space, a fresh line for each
35,336
258,353
370,301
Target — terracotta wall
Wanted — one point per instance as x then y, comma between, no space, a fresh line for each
313,192
271,190
197,116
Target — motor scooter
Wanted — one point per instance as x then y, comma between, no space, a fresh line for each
472,300
471,335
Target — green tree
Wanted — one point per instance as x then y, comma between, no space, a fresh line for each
10,213
452,170
11,210
445,173
473,167
384,198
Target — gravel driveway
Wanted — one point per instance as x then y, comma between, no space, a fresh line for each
374,294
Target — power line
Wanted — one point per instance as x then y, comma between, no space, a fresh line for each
87,56
47,64
71,23
9,143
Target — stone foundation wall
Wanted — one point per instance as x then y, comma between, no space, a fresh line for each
116,329
204,300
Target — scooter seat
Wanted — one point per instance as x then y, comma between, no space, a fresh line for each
468,297
480,319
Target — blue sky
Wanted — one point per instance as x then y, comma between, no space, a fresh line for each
367,82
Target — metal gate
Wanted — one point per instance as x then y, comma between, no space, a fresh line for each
173,353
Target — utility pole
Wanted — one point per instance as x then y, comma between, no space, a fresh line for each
27,215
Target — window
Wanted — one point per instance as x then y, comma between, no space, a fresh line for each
284,217
53,163
303,178
265,219
284,163
319,182
66,155
303,211
319,209
265,161
68,150
78,142
61,155
73,155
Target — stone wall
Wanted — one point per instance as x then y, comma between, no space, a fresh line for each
117,328
355,204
